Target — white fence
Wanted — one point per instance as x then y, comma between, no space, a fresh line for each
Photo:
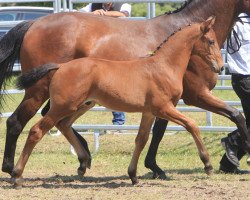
151,13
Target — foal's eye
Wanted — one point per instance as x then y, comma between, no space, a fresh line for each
211,42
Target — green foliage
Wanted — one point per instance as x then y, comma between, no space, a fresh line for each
140,9
39,4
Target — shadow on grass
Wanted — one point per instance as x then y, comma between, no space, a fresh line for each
197,173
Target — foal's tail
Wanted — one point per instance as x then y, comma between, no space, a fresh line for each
10,45
31,77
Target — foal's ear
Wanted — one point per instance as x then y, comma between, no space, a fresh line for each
207,25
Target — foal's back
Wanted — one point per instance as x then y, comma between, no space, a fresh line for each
127,85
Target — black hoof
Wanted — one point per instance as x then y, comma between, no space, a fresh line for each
209,170
161,176
81,171
7,168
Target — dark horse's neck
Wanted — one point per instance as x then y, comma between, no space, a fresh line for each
226,12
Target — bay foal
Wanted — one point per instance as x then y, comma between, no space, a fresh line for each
151,85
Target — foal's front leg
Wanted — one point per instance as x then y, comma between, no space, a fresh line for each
169,112
140,142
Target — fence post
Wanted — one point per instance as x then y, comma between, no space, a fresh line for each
152,10
96,140
209,118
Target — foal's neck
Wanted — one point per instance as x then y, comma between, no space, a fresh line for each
176,51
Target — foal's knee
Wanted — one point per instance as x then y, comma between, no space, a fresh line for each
35,134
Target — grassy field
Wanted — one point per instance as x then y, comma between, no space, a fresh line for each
51,170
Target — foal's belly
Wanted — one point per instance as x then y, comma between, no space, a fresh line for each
125,105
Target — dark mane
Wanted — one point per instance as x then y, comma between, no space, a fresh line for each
164,41
180,8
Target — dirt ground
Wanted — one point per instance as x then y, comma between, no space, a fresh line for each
182,187
51,173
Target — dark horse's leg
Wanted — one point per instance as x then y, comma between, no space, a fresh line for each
79,137
10,45
150,161
15,124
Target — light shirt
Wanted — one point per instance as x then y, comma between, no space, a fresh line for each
239,62
122,7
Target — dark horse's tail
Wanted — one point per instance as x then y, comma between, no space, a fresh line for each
10,46
31,77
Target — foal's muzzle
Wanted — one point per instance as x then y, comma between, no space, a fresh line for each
215,68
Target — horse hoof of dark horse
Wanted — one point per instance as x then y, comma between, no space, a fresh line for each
7,168
81,171
161,176
209,170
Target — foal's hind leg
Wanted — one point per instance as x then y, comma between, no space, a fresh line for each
169,112
16,122
140,142
79,137
65,127
35,135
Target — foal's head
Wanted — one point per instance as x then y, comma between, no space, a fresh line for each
207,47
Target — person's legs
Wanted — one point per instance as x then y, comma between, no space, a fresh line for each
233,144
118,118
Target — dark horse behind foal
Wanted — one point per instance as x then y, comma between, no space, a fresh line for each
114,39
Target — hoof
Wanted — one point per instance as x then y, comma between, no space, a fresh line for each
18,182
81,171
134,180
209,170
7,168
161,176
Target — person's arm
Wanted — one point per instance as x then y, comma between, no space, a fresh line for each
110,13
124,11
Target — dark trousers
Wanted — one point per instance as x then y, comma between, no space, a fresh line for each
241,86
